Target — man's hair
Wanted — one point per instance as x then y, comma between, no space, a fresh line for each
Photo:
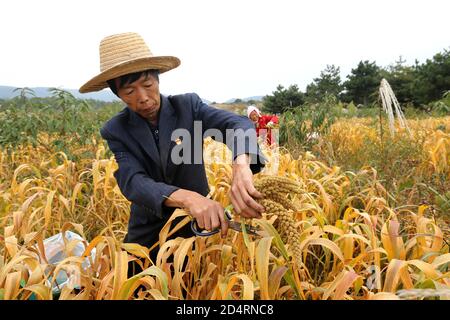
130,78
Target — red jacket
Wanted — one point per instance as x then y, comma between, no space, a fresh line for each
261,127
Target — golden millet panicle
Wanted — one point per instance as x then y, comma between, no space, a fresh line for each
275,191
269,185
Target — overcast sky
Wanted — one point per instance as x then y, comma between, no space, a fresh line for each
228,49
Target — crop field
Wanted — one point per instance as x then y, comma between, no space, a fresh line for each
362,214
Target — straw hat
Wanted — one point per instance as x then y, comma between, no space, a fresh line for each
125,53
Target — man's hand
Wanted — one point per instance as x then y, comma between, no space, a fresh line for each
208,213
243,191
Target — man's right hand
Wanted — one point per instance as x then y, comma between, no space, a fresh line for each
208,213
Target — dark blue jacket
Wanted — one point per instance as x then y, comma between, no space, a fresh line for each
146,176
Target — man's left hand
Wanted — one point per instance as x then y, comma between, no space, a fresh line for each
243,192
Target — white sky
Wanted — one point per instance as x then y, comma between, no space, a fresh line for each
228,49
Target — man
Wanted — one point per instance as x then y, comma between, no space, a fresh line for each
263,123
141,138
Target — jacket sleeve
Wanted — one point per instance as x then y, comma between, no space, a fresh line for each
133,181
263,121
274,119
239,132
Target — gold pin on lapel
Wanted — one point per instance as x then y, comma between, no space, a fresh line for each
178,141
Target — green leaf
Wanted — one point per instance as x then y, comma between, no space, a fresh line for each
276,237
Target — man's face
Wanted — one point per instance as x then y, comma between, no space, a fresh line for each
142,96
254,116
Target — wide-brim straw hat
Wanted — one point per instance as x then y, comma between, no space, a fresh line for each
125,53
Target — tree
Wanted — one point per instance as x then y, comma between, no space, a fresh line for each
433,78
363,83
283,99
328,84
401,78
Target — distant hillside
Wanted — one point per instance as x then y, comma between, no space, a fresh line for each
255,98
6,92
42,92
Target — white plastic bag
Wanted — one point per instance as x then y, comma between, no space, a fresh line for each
55,253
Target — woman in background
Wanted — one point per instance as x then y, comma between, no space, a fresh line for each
263,123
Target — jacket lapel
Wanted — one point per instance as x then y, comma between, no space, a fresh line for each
141,132
167,123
